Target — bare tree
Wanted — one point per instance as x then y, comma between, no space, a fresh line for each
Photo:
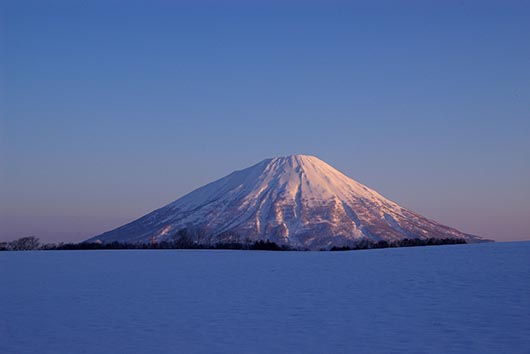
24,244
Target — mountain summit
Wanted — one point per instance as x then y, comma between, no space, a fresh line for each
297,200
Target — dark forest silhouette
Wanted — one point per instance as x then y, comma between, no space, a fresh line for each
181,240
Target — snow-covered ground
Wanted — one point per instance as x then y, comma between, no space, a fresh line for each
445,299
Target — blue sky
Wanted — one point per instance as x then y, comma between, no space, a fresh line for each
110,109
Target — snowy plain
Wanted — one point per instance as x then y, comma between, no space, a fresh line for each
445,299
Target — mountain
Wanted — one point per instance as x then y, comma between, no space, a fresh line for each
297,200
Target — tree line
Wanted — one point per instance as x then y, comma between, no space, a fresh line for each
365,244
183,241
32,243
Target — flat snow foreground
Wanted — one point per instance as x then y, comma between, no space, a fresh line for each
445,299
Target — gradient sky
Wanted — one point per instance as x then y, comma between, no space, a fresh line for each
110,109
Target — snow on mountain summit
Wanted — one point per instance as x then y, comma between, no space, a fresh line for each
296,200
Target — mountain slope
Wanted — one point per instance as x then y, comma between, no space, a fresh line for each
297,200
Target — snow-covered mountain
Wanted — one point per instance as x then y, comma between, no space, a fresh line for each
297,200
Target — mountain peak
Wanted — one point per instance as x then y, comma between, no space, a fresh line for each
295,200
298,159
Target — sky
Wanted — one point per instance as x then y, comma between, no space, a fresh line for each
111,109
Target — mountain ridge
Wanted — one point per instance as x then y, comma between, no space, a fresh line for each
295,200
